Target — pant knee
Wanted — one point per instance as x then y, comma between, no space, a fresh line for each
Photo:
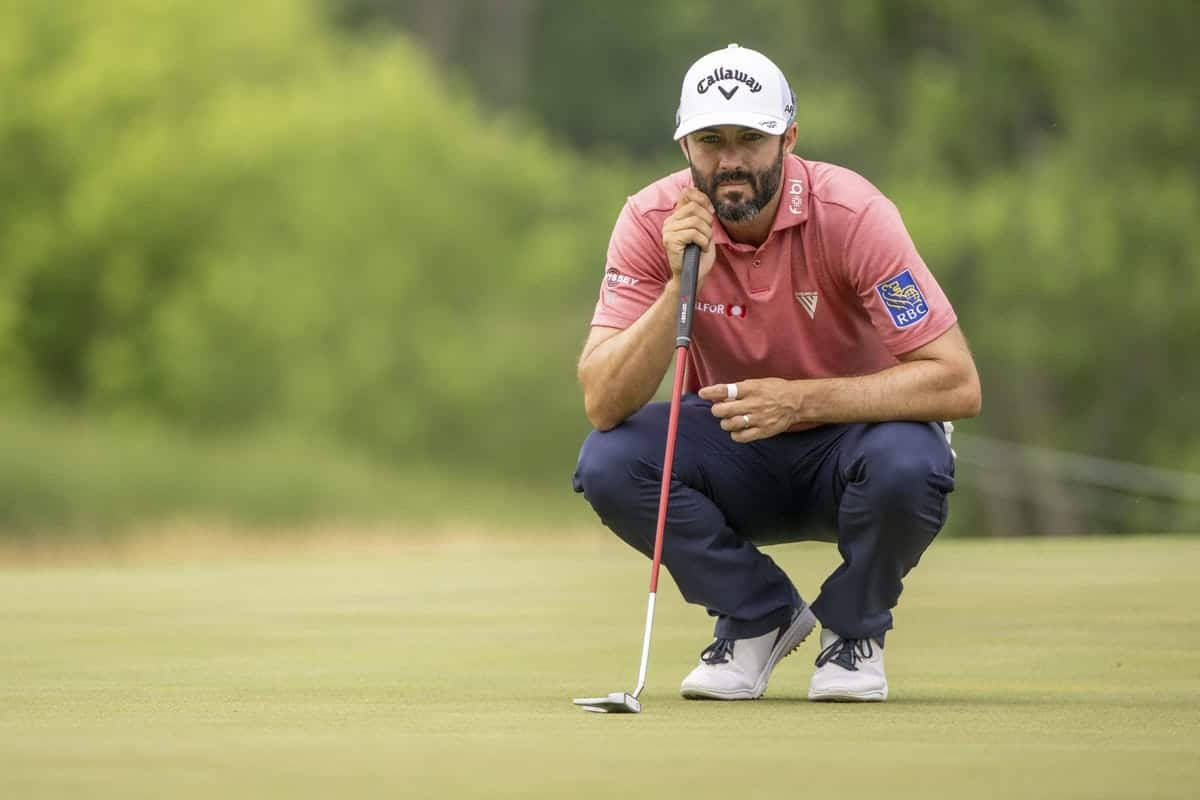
901,464
901,479
603,473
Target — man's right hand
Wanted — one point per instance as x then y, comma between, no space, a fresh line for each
690,223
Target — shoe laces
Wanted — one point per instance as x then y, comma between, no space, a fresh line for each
846,653
719,652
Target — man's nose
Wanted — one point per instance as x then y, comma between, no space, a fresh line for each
730,158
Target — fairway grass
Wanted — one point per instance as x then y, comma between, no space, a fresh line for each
1018,668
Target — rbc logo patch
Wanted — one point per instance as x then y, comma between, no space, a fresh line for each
903,299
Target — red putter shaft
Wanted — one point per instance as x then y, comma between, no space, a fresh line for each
668,464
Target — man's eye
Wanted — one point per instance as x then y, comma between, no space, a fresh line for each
710,139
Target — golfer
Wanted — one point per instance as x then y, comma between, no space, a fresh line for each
824,360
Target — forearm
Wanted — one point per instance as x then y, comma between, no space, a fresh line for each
916,390
620,374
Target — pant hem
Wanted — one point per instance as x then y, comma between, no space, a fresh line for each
733,628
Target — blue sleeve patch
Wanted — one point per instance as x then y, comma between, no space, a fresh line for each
903,299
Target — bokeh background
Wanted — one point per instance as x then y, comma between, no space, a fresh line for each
295,261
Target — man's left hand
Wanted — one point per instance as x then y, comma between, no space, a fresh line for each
763,407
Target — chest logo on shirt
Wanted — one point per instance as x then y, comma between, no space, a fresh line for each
903,299
809,301
735,310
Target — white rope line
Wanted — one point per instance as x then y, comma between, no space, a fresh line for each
987,454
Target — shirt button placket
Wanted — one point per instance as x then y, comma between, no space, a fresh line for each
757,283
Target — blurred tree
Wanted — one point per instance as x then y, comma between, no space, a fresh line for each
230,221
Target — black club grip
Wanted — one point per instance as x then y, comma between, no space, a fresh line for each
687,295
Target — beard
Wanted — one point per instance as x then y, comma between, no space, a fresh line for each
763,186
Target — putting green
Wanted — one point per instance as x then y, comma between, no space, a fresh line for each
1018,668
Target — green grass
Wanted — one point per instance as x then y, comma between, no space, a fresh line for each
1032,668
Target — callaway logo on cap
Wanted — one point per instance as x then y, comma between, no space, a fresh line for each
735,86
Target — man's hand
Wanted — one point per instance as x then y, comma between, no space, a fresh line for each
690,223
761,409
935,382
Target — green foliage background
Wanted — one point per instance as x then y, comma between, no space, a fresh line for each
227,221
323,222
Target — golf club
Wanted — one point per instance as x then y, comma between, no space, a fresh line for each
623,702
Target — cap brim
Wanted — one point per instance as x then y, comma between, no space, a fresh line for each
766,123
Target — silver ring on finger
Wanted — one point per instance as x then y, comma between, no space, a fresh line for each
731,391
745,421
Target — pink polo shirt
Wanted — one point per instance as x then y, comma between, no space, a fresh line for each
837,289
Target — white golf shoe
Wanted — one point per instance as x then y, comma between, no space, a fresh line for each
738,669
849,670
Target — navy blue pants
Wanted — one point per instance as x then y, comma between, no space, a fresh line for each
878,490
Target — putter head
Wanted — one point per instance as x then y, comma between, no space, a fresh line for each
614,703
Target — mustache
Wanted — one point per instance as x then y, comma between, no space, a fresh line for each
734,176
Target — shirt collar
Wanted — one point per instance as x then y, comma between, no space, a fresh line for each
793,202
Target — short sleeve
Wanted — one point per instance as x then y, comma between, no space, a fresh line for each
635,271
906,305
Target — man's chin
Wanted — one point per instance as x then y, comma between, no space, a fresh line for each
741,212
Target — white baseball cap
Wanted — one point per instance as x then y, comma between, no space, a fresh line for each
735,86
